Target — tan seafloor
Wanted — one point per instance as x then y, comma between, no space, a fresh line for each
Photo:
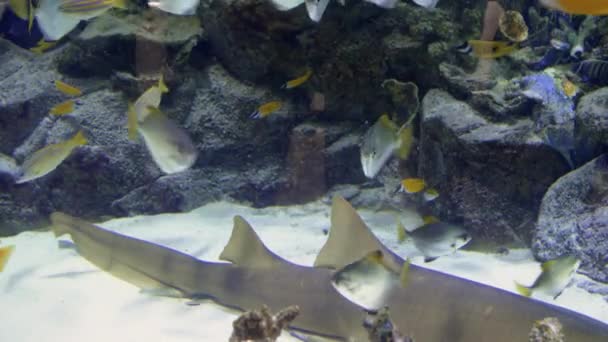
53,294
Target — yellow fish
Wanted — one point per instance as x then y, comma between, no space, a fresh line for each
67,89
48,158
150,98
412,185
63,108
42,46
90,7
570,89
491,49
401,233
587,7
266,109
296,82
5,254
430,194
24,9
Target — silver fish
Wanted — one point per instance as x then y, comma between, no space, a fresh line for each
555,276
438,239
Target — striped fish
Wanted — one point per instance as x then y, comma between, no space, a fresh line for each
89,6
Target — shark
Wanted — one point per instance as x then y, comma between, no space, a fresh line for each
432,306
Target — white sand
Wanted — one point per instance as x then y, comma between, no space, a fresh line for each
53,294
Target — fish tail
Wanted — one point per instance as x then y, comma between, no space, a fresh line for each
61,223
5,254
405,269
119,4
132,122
80,139
523,290
401,232
162,86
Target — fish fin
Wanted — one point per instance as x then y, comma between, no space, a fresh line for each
162,292
430,259
430,219
162,86
5,254
79,139
61,223
349,237
548,265
30,16
401,232
120,4
246,249
523,290
403,276
406,142
132,122
387,122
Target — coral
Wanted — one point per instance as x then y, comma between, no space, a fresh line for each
261,325
382,329
513,26
547,330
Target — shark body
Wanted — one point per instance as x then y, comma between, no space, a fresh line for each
433,306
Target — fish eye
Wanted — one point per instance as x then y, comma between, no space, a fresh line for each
453,245
464,237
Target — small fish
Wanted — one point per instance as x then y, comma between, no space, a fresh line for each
42,46
48,158
5,254
150,98
296,82
555,276
491,49
170,146
369,281
593,70
23,9
63,108
438,239
430,194
570,89
381,141
90,7
9,166
266,109
67,89
587,7
178,7
412,185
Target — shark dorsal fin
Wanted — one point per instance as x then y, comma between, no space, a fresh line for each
246,249
349,237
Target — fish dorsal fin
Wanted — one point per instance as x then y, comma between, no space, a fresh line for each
548,265
349,237
246,249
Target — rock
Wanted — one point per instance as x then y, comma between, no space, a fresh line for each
573,219
592,125
490,176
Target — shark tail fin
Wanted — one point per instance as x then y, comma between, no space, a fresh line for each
523,290
61,223
246,249
5,254
349,237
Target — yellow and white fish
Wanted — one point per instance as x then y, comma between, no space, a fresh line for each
266,109
436,239
48,158
296,82
63,108
587,7
555,276
67,89
170,146
381,141
179,7
412,185
150,98
430,194
56,18
369,281
5,254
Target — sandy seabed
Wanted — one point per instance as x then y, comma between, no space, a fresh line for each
49,293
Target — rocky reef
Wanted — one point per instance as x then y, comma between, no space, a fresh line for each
504,152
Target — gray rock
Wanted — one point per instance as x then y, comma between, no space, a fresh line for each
592,125
491,176
573,219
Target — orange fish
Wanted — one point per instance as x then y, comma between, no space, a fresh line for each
67,89
63,108
266,109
